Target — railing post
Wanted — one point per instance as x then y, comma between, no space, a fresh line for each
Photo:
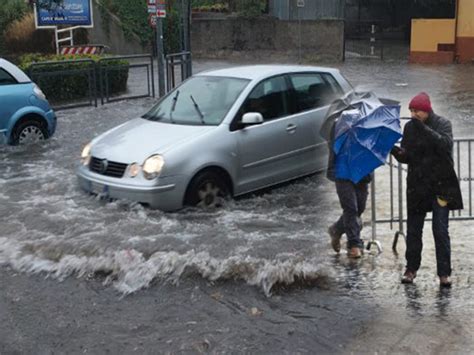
400,210
373,241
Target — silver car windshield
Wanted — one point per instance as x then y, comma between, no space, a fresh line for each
199,100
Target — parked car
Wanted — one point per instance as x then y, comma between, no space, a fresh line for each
25,114
220,133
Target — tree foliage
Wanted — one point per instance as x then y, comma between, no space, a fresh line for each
10,10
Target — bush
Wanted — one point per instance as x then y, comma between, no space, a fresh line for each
69,80
251,8
10,11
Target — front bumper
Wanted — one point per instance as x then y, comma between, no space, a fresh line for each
167,195
52,120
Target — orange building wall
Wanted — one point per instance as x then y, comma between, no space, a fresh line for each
432,41
465,31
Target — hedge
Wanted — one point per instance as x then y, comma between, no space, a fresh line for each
68,80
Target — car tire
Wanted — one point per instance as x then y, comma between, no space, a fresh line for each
208,189
29,131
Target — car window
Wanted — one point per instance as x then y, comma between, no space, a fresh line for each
270,98
6,78
199,100
334,84
311,91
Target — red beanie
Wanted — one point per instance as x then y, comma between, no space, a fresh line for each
421,102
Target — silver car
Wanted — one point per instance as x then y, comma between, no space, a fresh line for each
220,133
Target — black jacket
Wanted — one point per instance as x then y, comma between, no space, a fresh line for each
427,148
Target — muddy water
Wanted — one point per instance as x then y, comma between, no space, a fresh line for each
301,296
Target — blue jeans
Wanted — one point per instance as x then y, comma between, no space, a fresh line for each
440,227
353,199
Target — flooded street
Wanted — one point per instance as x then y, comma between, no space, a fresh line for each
79,274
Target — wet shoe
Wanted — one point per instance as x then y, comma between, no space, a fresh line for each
444,281
354,253
408,277
335,238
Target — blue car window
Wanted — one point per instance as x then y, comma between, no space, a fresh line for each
6,78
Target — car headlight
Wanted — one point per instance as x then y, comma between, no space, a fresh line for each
39,93
152,166
86,154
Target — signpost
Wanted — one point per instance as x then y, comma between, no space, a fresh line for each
49,14
157,10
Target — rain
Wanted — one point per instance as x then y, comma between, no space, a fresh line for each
257,275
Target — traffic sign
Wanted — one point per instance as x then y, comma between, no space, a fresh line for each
161,13
152,9
152,20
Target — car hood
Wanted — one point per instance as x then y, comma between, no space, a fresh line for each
137,139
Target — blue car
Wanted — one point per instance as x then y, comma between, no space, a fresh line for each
25,114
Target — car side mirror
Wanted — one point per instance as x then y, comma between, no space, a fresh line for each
252,118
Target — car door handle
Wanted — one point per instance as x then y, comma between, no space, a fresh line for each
291,128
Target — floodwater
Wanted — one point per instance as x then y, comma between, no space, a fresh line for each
255,276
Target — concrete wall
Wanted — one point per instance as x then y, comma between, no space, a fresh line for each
267,37
312,10
113,37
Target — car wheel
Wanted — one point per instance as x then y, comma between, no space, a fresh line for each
29,131
207,190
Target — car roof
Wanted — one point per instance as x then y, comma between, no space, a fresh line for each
257,72
14,71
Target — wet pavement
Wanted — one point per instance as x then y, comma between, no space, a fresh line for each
257,276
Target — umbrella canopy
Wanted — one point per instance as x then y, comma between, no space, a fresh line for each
365,132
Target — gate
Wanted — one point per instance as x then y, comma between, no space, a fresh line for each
363,39
394,174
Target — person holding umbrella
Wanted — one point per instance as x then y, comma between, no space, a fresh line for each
432,185
360,130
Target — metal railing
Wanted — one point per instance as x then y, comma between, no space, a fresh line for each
82,82
80,73
130,62
183,61
463,152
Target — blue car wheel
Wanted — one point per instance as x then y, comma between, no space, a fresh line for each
29,131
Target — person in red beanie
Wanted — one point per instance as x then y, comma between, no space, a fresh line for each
432,185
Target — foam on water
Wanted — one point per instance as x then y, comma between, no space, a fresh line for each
128,270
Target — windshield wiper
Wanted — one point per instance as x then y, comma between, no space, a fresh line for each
173,105
201,116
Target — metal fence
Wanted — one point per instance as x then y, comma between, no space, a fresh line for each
70,88
135,85
390,194
83,82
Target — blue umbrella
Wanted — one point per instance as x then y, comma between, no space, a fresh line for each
364,136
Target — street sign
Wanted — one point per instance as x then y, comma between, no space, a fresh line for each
151,2
152,20
300,3
152,9
161,13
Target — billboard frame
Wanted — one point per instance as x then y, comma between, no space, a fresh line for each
38,26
